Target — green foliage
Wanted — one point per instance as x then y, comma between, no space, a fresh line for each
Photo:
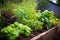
10,33
23,29
25,11
14,30
48,18
34,24
27,15
10,4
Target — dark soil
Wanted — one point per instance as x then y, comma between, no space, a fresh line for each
33,34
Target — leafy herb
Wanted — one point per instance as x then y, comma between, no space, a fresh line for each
14,30
48,18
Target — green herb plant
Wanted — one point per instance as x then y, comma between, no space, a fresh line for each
48,19
14,30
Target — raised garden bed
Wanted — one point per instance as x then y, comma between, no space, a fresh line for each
35,33
45,35
51,34
24,22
